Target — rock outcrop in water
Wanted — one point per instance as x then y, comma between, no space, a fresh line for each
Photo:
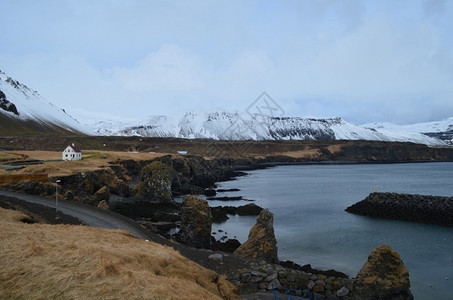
408,207
261,242
219,213
196,223
382,277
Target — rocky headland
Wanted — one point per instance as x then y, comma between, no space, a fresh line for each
407,207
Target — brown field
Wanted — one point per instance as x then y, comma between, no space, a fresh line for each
306,153
54,166
41,261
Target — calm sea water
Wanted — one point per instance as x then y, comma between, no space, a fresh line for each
312,227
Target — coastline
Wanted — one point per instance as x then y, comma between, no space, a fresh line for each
229,168
401,235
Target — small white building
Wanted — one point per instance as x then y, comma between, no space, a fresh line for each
72,153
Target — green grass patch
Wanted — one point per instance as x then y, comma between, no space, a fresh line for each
9,156
91,155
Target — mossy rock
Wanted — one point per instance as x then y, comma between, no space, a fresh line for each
155,184
196,223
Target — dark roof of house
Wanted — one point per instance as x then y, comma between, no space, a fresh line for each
75,148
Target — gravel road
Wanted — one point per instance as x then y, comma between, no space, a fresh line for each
90,215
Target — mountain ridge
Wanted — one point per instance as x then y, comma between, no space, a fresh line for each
220,125
25,111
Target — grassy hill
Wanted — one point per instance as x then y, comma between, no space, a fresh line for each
12,126
40,261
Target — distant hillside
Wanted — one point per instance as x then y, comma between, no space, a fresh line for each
24,112
79,262
441,130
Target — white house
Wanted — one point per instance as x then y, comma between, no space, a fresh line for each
72,153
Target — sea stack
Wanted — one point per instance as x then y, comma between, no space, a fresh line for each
196,223
261,243
383,276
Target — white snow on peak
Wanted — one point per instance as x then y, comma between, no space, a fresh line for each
32,106
222,125
426,127
418,132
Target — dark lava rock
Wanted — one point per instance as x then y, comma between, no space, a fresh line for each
408,207
154,211
219,213
229,246
308,269
235,198
7,105
102,194
227,190
210,192
196,223
155,184
119,187
249,210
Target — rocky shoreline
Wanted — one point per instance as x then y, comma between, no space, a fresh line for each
407,207
144,191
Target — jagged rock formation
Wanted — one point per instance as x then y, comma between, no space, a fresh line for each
104,205
6,105
408,207
383,276
103,194
196,223
155,184
261,242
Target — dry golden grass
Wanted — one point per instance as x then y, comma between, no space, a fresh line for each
78,262
6,156
91,160
306,153
334,149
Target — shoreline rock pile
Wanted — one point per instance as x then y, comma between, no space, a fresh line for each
407,207
262,276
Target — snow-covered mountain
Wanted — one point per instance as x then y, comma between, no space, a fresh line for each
241,126
441,130
23,110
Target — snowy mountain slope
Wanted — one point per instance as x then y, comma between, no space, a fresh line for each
237,126
442,130
24,107
24,111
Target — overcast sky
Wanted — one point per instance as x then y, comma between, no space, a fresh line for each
364,61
